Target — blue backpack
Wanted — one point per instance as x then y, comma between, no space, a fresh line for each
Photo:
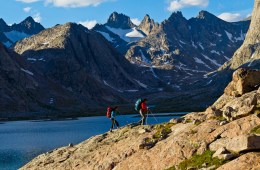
138,104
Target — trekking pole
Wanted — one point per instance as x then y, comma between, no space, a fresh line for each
147,118
153,115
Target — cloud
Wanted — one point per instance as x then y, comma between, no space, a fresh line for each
231,17
27,9
74,3
37,17
27,1
136,21
88,24
179,4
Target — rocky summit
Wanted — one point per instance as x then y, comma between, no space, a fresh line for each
225,136
83,63
15,32
248,54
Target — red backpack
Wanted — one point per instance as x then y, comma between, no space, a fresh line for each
109,110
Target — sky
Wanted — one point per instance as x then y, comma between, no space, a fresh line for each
89,12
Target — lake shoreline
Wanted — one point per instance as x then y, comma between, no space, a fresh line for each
64,118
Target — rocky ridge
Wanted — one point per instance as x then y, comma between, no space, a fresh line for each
248,54
15,32
84,64
226,135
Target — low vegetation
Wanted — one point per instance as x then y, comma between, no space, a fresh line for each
162,131
200,161
256,130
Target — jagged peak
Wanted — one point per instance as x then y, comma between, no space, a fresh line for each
69,26
205,15
117,20
29,19
176,15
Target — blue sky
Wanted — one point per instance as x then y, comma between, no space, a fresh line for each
89,12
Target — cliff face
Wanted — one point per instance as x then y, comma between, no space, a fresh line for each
226,131
249,53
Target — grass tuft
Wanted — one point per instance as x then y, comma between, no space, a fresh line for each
200,161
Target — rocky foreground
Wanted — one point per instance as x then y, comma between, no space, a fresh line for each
225,136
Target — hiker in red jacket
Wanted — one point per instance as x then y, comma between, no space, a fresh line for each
143,112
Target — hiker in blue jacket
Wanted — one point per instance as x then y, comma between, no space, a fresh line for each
114,113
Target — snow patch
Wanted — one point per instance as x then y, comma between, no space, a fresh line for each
135,33
197,60
216,52
27,71
229,35
226,58
212,44
106,35
112,86
16,35
209,82
144,59
129,35
141,84
182,42
154,73
212,61
241,38
31,59
193,44
200,44
131,91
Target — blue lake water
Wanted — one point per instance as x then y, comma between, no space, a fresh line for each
21,141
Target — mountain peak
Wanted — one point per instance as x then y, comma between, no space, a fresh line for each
3,26
117,20
148,25
205,15
28,26
176,16
29,19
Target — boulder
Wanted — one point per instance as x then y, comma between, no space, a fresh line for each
243,143
176,120
246,161
240,107
222,153
218,144
212,111
244,81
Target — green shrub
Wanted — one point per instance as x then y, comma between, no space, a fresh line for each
256,130
200,161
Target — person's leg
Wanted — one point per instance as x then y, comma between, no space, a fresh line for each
112,124
144,118
116,122
141,120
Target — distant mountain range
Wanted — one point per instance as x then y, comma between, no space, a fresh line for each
15,32
74,70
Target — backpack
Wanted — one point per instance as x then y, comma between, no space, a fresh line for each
138,104
109,110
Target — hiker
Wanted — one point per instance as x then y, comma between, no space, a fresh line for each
114,122
143,111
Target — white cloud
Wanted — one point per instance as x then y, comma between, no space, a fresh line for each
74,3
179,4
27,1
27,9
37,17
88,24
231,17
136,21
